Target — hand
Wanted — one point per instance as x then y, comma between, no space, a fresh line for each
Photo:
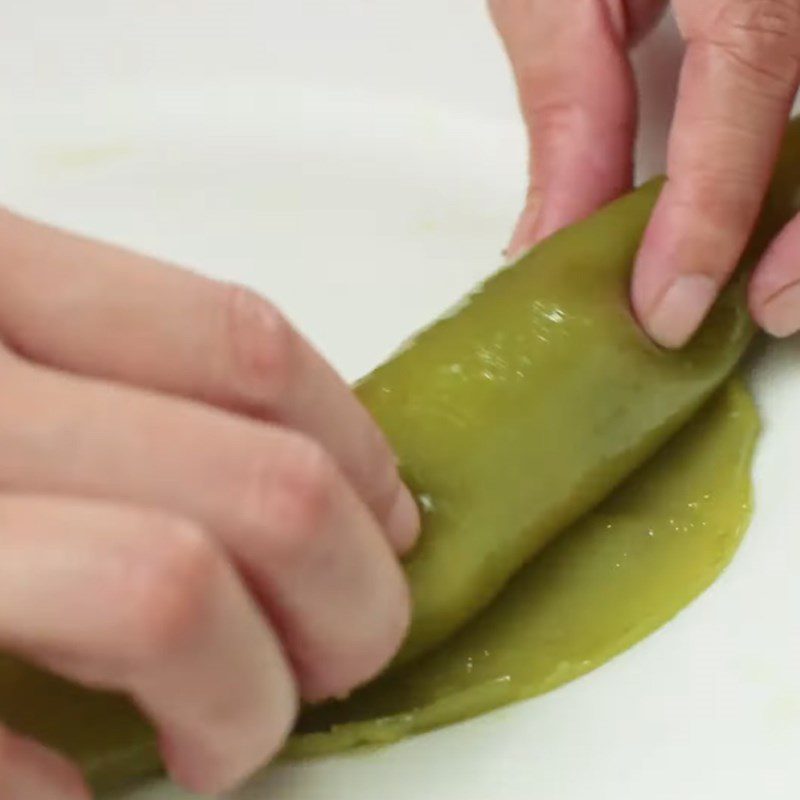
739,77
195,510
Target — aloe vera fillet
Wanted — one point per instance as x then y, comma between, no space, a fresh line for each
512,417
608,581
521,410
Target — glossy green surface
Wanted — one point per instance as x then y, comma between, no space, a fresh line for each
513,417
608,581
523,408
518,413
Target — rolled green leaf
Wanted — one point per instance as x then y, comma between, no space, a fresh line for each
524,407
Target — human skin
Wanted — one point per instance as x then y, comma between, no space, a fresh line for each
195,509
739,77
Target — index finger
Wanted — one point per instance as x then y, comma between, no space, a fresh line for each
739,77
122,316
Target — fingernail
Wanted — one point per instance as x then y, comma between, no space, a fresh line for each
682,308
403,521
524,238
780,315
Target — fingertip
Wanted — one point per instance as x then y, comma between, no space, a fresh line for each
570,186
525,235
403,521
774,292
779,314
685,258
371,648
567,203
31,770
209,771
720,157
677,314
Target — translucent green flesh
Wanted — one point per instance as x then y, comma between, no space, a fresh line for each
521,411
611,579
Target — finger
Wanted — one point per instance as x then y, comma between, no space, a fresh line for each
638,17
738,80
578,100
775,287
125,599
310,548
131,319
29,771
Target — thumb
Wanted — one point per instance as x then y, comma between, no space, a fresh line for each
578,100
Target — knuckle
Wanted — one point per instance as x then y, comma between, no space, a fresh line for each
723,199
293,495
553,117
550,120
762,39
560,110
167,589
261,346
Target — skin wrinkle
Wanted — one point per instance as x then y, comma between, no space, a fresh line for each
734,25
738,79
719,54
778,292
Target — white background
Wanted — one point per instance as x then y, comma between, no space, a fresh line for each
361,162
